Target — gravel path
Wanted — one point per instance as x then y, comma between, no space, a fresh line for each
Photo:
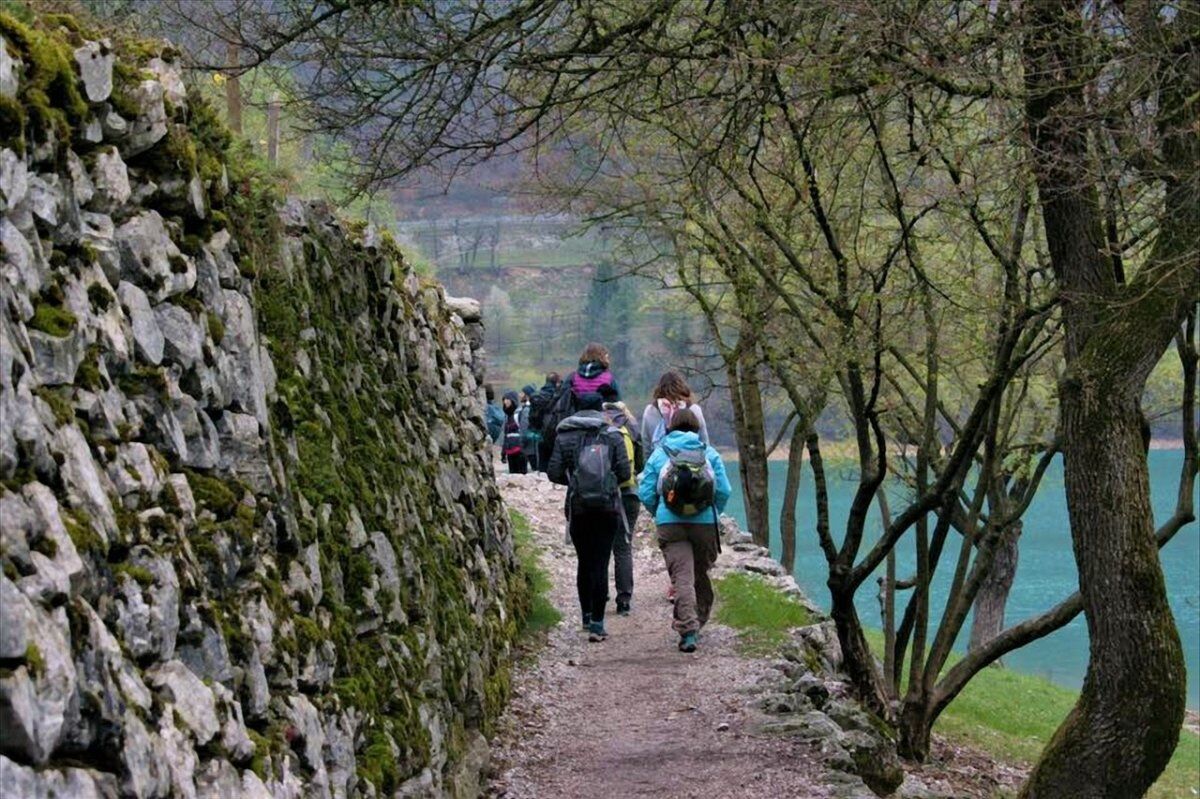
633,716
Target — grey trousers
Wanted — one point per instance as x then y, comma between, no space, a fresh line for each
689,550
623,550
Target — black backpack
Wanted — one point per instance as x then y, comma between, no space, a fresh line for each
686,483
593,484
539,403
560,408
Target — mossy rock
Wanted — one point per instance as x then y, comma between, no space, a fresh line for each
53,320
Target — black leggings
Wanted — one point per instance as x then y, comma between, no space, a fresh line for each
592,534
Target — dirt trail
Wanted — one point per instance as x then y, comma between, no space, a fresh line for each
633,716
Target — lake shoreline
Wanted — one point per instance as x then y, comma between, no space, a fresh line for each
844,450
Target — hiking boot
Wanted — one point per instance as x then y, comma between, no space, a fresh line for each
622,608
687,642
587,621
596,632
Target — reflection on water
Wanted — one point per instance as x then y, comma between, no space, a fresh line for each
1045,574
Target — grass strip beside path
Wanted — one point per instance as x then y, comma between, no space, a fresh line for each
542,613
760,613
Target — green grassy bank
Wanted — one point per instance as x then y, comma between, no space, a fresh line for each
1009,715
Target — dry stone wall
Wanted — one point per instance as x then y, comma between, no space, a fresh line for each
250,537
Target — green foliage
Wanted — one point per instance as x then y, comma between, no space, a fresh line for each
53,320
59,401
99,297
83,536
541,614
760,612
49,92
216,328
12,123
212,493
34,660
139,574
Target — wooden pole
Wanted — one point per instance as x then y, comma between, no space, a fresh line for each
273,129
233,90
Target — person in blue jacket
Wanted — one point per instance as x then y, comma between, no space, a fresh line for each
689,543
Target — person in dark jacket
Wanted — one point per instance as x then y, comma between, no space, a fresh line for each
539,404
593,371
511,451
494,416
619,416
592,530
530,437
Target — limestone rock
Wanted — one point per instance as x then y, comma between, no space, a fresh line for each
192,699
111,179
95,62
146,333
183,340
87,486
151,260
150,125
34,696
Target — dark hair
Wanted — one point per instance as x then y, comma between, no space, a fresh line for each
554,378
489,391
671,386
684,420
595,352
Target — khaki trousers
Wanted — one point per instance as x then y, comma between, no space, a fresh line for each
689,550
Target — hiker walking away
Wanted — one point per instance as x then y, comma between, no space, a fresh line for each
670,395
617,414
530,438
593,372
685,486
493,415
539,405
510,450
589,458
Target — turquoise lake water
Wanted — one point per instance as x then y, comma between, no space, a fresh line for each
1045,574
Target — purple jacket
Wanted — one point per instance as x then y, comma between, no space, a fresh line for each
590,377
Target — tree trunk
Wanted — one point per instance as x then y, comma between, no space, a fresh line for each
791,495
1124,728
993,593
857,658
915,728
746,393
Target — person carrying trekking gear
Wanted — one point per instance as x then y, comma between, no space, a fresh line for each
493,415
511,451
685,486
593,372
670,395
618,415
589,458
530,437
539,405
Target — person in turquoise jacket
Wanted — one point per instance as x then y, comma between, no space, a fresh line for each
689,544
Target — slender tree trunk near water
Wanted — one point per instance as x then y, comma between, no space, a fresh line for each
791,495
1125,726
746,395
988,621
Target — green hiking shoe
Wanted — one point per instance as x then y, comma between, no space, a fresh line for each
687,642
